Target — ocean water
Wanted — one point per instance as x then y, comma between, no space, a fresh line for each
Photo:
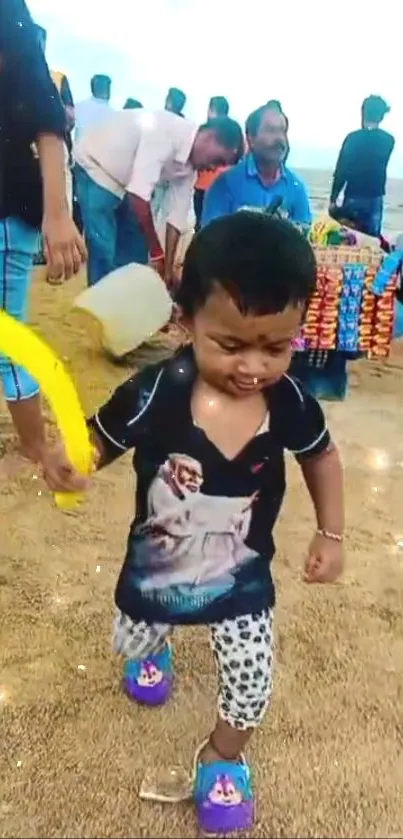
319,182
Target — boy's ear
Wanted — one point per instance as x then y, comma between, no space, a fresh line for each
181,323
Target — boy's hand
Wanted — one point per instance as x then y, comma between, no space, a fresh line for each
325,560
59,474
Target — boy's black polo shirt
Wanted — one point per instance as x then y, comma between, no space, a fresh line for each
201,543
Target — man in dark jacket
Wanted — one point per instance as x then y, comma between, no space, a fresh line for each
361,169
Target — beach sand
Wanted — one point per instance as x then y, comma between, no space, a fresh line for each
73,751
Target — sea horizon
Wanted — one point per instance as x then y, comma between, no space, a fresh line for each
318,182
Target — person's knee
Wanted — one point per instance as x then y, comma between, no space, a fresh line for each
18,385
244,709
244,653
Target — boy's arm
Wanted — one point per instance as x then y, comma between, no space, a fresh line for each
115,429
303,430
101,455
304,433
119,424
323,475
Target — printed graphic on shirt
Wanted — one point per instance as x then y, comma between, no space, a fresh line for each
191,546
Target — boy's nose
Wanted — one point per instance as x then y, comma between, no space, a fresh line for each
252,365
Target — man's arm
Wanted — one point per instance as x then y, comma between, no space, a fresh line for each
217,200
340,172
143,213
152,152
391,146
179,198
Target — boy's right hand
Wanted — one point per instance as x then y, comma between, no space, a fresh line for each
59,473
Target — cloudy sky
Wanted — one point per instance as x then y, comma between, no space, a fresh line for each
320,59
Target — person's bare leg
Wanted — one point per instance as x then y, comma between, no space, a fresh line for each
29,424
225,743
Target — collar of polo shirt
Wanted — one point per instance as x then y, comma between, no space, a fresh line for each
253,171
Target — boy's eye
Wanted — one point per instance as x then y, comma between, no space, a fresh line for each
277,350
229,348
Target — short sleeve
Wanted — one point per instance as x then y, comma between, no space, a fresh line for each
122,421
37,102
153,151
299,420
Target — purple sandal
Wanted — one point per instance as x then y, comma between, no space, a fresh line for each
223,797
149,681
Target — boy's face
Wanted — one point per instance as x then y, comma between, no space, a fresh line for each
241,354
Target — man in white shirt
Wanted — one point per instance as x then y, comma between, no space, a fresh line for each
118,167
93,111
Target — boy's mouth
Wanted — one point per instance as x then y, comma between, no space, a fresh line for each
248,385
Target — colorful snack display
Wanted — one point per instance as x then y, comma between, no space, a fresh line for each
383,319
321,323
352,308
350,304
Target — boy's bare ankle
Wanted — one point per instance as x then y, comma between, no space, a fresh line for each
210,755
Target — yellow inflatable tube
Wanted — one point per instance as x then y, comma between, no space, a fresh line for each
24,347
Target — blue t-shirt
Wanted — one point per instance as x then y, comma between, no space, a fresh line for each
241,187
200,546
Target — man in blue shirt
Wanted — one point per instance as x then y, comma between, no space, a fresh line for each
261,176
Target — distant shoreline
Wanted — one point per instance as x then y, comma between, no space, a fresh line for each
318,182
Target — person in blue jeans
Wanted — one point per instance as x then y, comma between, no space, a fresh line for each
108,218
209,427
32,192
135,157
361,169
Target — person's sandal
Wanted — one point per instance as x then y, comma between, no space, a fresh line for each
150,680
223,796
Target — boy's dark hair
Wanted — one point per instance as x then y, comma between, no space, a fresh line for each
220,106
374,109
100,82
228,133
254,120
177,99
264,263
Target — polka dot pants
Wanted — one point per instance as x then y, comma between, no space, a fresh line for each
243,649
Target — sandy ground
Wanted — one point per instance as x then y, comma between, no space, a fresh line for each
73,751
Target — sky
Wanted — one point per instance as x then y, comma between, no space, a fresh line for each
321,62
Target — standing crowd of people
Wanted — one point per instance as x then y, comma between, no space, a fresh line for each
210,425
